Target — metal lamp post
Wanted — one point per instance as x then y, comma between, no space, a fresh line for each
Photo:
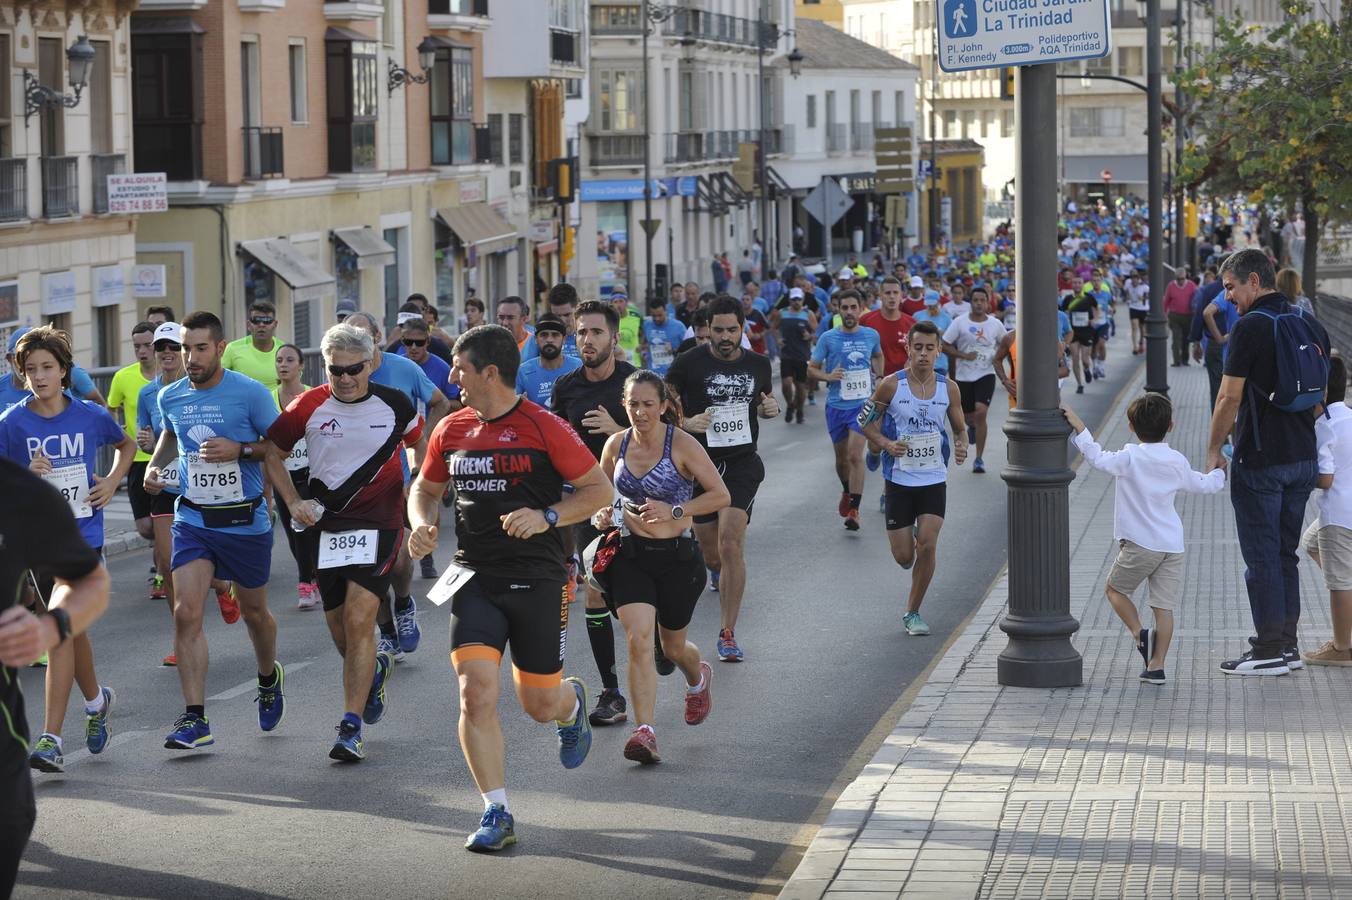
1178,231
38,96
650,14
1156,330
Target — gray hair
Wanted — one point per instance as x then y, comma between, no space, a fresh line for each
370,320
1244,263
345,338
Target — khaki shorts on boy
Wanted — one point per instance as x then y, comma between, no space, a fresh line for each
1135,564
1333,543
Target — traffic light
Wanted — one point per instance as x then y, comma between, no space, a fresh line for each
1007,83
561,179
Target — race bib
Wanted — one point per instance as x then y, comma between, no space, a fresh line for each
73,483
924,452
299,458
661,355
453,579
984,355
213,483
856,385
347,548
1079,319
169,475
729,425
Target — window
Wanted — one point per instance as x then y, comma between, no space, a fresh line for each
100,99
854,111
6,122
251,85
1130,61
107,340
572,88
830,109
687,101
1103,65
876,109
950,128
516,124
296,63
52,71
811,110
453,107
1006,123
495,139
352,105
899,108
617,96
969,123
1089,122
166,105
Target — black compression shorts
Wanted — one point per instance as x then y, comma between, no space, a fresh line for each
795,369
136,492
491,610
907,504
374,577
162,504
974,392
1086,336
742,475
666,574
1138,315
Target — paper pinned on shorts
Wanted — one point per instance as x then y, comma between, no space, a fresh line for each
453,579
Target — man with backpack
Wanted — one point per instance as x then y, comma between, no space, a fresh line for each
1276,369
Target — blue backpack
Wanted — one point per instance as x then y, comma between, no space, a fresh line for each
1302,366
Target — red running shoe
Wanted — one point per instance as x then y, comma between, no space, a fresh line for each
851,520
844,507
169,661
697,705
642,747
229,605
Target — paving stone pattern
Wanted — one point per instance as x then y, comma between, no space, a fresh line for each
1210,786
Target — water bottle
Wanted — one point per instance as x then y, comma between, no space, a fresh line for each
318,507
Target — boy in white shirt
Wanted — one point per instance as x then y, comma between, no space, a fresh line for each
1146,526
1328,540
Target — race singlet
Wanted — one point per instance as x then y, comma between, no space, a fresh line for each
211,483
924,452
73,483
856,384
729,425
661,355
347,548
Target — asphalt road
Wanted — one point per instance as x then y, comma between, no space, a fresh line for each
726,814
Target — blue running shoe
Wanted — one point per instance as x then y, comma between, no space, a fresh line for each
406,623
387,644
978,466
348,746
190,732
375,701
713,579
46,756
496,830
575,739
728,651
96,724
872,460
271,701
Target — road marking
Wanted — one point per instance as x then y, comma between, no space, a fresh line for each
119,738
252,684
789,446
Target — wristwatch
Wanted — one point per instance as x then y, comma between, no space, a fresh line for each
62,620
551,518
677,512
246,451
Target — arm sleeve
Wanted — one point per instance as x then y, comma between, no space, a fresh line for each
434,460
1114,462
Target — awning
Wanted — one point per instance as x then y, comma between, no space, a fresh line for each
480,226
335,33
371,249
305,278
777,182
142,24
1127,169
708,197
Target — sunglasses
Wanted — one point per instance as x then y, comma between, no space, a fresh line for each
139,344
351,371
414,342
161,346
262,320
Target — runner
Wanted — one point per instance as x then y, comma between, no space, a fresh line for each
353,431
514,315
1083,310
849,358
509,459
46,538
415,308
535,379
58,438
1104,330
1138,307
661,336
255,354
724,388
123,393
906,416
973,340
562,301
656,575
591,399
12,388
892,325
631,324
795,325
290,366
213,426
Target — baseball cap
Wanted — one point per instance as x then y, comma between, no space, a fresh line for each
169,331
551,322
931,298
345,308
407,316
14,339
917,281
795,293
846,272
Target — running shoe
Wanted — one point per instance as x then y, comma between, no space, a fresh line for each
811,401
1153,676
1088,376
728,651
375,700
800,415
788,414
852,520
170,661
872,460
39,663
388,643
427,567
1293,659
843,508
229,605
611,708
979,466
307,597
190,732
1079,389
575,738
664,665
272,701
496,830
406,624
46,756
347,747
642,747
1249,664
96,724
157,591
698,704
915,625
713,579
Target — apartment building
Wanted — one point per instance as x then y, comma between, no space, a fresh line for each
63,258
829,11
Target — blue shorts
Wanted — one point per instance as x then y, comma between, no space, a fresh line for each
1102,331
841,420
245,559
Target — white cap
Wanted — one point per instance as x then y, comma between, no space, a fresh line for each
917,281
168,331
407,316
846,272
795,293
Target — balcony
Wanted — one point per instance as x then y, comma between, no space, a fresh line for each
565,48
354,10
837,138
615,20
263,152
458,15
60,187
103,165
615,149
13,190
687,25
861,137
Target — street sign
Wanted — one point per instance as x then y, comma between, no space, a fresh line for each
744,170
827,202
1106,175
650,226
893,153
1020,32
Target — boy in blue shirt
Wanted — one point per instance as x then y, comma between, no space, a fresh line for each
661,336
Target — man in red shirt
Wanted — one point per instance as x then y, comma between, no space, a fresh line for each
1178,306
915,299
892,325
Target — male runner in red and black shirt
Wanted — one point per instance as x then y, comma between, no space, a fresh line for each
508,459
354,430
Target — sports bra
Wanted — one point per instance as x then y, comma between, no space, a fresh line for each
662,482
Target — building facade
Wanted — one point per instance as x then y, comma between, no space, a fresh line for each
64,259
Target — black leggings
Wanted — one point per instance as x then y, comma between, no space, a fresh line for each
15,826
305,564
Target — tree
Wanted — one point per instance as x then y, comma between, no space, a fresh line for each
1271,117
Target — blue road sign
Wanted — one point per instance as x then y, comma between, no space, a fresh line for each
982,34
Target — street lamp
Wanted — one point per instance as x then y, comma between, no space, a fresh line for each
38,96
795,58
1156,335
650,15
399,76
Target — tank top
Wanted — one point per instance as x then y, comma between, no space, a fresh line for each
662,482
921,423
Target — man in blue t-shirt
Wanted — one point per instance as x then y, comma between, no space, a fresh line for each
848,358
535,377
661,336
562,300
214,423
415,345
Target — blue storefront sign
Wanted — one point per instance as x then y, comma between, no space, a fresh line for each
632,189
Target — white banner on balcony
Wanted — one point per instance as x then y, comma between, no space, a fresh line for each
58,293
138,192
109,284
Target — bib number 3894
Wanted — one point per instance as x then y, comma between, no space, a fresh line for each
729,425
347,548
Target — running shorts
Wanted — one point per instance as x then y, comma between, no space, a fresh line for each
245,559
795,369
162,504
374,577
491,610
136,491
668,575
743,476
1084,336
979,391
841,420
1138,315
907,504
1101,332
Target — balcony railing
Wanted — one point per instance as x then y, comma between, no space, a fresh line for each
457,7
13,189
616,149
837,137
60,187
565,47
700,146
861,137
263,151
103,165
687,24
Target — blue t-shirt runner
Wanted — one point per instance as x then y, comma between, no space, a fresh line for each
530,350
854,352
536,382
405,375
662,343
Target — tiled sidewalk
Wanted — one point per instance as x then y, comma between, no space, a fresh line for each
1212,785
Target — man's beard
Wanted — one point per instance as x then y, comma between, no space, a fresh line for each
550,352
601,358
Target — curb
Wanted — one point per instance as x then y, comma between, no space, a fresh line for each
124,543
